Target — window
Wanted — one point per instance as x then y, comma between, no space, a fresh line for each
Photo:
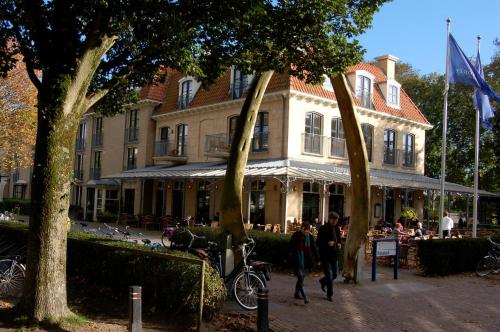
79,167
312,136
409,150
389,147
131,158
97,137
182,133
260,140
96,170
186,94
393,97
240,83
310,201
363,91
233,121
337,146
132,132
80,139
19,191
203,202
111,201
257,202
164,131
368,135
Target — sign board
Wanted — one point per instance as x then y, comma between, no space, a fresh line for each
386,248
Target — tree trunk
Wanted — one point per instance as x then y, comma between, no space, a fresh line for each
45,287
231,204
360,179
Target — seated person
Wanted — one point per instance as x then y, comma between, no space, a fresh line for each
398,231
380,225
420,231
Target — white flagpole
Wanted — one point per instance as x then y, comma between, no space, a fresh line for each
476,164
445,127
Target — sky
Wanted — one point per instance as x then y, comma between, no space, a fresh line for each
415,31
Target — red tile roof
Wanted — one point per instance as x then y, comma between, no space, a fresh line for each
220,92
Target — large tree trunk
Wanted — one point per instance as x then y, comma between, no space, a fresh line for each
61,103
360,179
231,204
45,288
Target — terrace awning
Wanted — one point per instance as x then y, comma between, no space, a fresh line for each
293,170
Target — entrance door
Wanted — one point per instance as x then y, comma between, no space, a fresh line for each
203,202
310,207
178,200
128,202
336,204
159,202
389,206
89,215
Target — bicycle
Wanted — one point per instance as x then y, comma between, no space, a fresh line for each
12,273
491,262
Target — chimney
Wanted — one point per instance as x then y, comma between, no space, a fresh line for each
388,65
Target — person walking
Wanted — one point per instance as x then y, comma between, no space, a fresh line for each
446,225
304,255
329,246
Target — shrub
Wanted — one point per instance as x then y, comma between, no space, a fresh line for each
448,256
167,285
10,204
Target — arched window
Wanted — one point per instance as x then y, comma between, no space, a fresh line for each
232,123
186,94
368,135
313,130
240,83
337,139
364,91
260,140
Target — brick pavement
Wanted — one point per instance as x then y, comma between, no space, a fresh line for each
411,303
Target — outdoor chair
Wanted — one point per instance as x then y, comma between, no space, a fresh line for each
149,221
276,228
268,227
248,226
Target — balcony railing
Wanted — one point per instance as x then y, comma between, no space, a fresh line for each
132,135
217,143
407,158
97,139
78,174
312,143
80,144
131,164
390,156
95,173
170,149
338,147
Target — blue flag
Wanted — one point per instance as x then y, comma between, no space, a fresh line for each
481,101
461,70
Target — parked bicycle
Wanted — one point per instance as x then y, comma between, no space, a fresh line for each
12,273
491,262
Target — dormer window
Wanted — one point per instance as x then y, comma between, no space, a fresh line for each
364,90
240,83
393,95
186,94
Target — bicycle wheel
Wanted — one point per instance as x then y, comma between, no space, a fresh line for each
11,278
245,288
485,266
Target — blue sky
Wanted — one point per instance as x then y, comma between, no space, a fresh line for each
415,31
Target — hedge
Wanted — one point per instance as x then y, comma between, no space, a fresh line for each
167,285
9,204
449,256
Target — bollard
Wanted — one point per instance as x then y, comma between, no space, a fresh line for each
262,310
135,309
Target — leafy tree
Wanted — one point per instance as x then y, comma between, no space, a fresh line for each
308,39
18,119
83,54
426,92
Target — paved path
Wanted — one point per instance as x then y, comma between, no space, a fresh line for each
412,303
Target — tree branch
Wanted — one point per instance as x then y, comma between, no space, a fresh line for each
31,72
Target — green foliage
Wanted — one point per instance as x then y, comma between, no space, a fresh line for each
426,92
16,206
448,256
167,285
409,213
106,216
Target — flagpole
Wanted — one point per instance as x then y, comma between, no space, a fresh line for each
445,127
476,164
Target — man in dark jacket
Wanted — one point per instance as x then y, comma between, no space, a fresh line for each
329,246
304,255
